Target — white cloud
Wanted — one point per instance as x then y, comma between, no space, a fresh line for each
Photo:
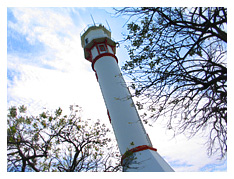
71,78
55,88
39,22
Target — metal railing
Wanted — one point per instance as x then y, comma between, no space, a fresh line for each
90,25
97,25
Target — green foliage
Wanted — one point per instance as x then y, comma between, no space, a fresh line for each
133,27
53,142
13,112
129,159
22,109
58,112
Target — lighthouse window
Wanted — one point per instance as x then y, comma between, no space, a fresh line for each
102,48
86,41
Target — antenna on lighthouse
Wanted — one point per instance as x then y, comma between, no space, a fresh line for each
108,25
92,19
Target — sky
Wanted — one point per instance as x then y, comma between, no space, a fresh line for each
46,68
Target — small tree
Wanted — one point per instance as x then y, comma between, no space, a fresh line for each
178,65
56,142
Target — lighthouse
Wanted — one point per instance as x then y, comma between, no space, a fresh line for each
138,154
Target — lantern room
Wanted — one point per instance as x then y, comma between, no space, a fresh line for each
96,41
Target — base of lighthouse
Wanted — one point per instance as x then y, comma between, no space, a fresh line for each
146,161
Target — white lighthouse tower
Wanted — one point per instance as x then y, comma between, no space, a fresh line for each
134,144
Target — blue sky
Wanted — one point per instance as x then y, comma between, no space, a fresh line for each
46,68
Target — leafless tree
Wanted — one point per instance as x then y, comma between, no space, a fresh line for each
178,66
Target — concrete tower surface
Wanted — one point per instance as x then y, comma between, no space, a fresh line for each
134,144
